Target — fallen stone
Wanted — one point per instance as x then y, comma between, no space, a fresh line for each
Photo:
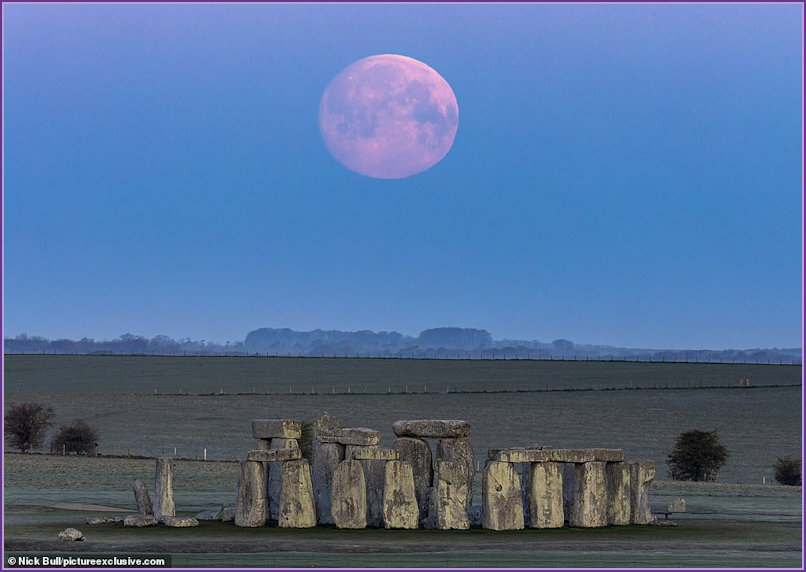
349,435
276,429
641,475
433,428
274,456
502,508
227,513
418,453
349,495
179,521
400,508
449,498
617,478
585,455
297,508
71,534
458,450
142,499
326,457
103,519
163,489
588,503
250,504
274,474
371,453
208,515
139,521
519,455
545,495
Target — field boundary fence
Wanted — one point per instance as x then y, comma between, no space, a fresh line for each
681,357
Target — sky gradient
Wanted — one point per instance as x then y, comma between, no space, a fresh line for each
622,174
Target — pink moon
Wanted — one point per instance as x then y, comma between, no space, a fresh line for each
388,117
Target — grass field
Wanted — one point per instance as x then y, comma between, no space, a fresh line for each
726,526
207,402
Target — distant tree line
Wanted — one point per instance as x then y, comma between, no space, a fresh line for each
438,343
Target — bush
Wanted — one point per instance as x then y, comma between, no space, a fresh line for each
788,471
77,437
697,456
26,423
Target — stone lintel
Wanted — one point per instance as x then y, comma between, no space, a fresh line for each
586,455
349,436
276,429
369,453
521,455
274,455
432,428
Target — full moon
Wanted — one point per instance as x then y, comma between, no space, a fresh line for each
388,117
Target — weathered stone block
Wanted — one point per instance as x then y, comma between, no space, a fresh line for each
291,452
418,453
371,453
142,499
519,455
250,503
326,457
459,450
103,519
375,476
71,535
349,435
297,509
617,477
545,495
641,475
585,455
274,455
227,513
678,505
400,508
588,503
139,521
449,498
433,428
179,521
276,428
501,506
349,495
164,489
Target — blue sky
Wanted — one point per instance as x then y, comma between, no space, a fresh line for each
622,174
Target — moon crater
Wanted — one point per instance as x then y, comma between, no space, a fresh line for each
388,116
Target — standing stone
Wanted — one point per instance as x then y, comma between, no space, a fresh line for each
449,499
399,499
459,450
164,489
545,495
641,475
501,505
326,457
142,499
250,504
617,477
588,506
418,453
297,509
276,476
349,495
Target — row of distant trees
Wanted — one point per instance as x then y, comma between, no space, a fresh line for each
454,345
25,425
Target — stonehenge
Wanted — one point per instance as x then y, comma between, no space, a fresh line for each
352,482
